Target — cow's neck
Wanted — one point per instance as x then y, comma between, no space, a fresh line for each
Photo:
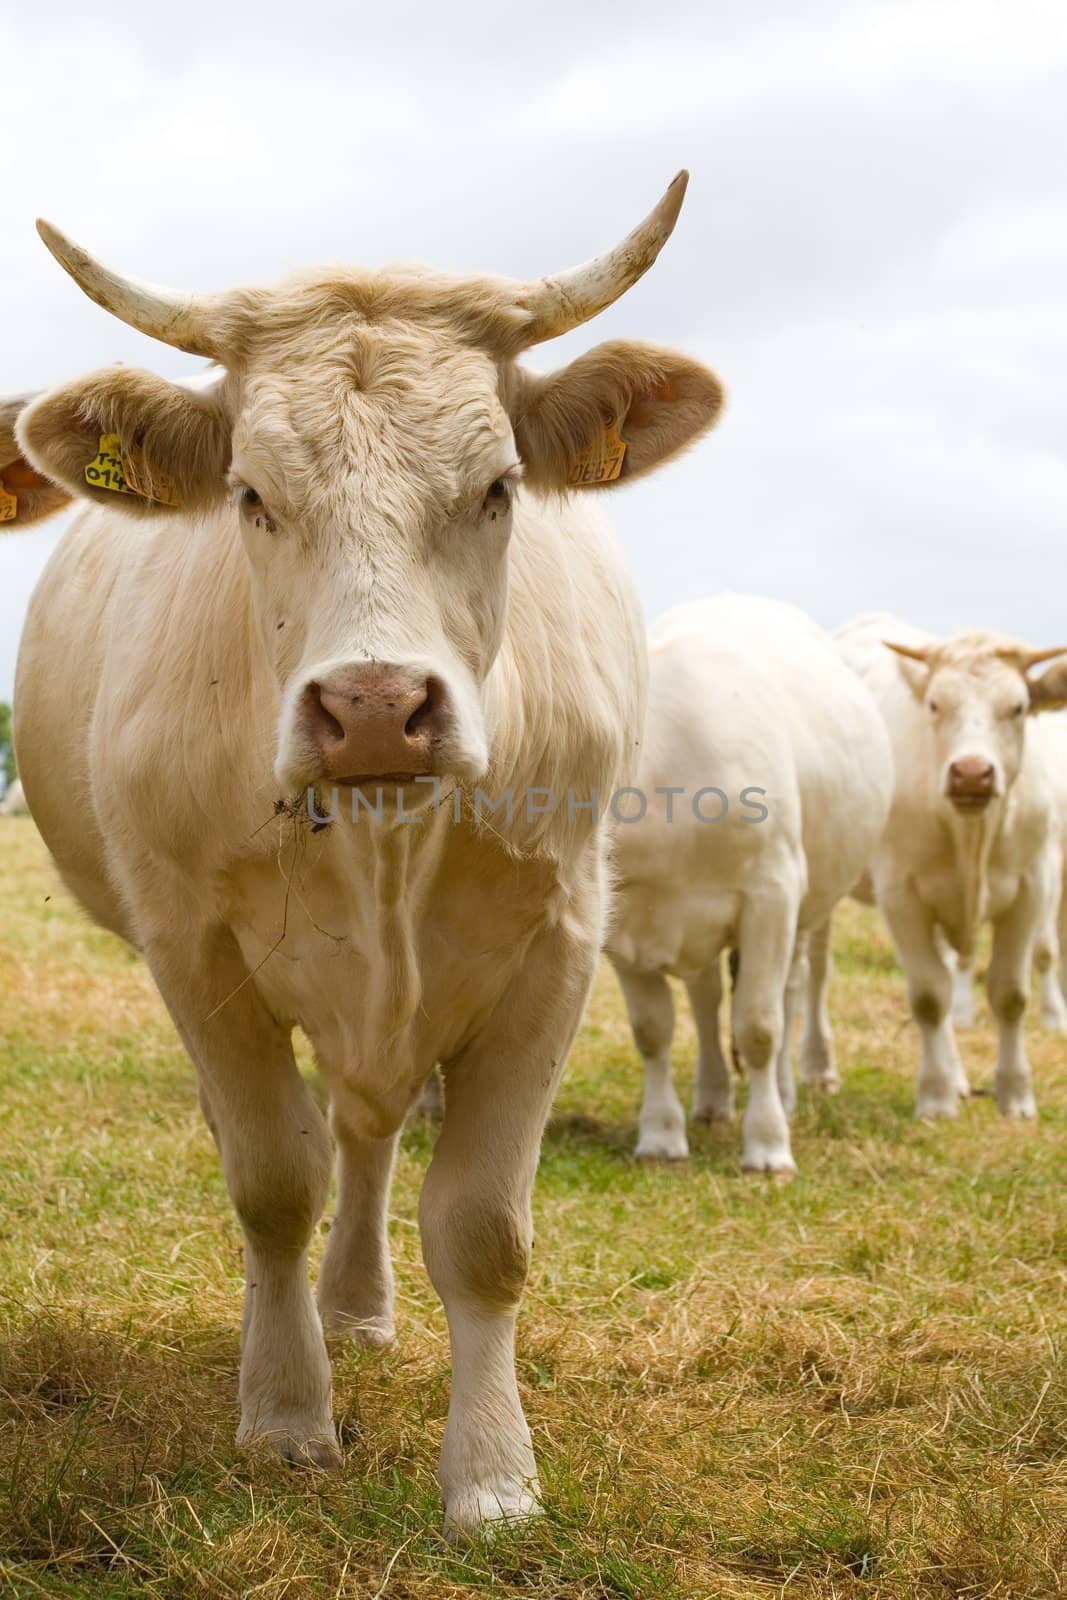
973,839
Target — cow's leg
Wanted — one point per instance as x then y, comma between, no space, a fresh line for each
766,936
713,1091
817,1064
355,1291
477,1226
929,980
794,988
1046,964
650,1006
1007,984
276,1156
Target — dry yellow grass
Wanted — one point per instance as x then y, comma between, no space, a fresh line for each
850,1386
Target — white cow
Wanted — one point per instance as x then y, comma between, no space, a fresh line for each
1050,948
766,775
350,564
14,802
972,836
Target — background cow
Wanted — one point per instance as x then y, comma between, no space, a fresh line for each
749,698
972,834
350,562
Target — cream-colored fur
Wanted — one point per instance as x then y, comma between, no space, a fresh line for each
939,875
748,696
159,738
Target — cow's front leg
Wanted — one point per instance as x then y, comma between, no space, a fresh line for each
1007,984
476,1223
276,1156
355,1291
929,980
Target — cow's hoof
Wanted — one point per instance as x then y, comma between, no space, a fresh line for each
821,1082
373,1333
714,1113
935,1108
763,1161
662,1145
483,1509
1054,1022
1022,1107
315,1448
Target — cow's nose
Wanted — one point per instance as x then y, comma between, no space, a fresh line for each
971,778
375,722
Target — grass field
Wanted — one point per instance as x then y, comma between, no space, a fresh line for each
852,1385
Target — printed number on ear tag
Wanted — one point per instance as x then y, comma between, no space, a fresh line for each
601,461
9,503
105,470
127,473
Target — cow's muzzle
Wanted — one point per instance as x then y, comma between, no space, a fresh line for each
971,783
375,723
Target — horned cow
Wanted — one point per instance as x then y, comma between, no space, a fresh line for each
972,836
349,562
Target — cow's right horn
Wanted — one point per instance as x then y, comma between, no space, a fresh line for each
179,319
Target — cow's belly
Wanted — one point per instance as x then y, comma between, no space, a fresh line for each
678,934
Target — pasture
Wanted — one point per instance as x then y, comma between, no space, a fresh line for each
848,1386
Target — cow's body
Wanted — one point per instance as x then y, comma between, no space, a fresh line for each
749,696
943,868
354,592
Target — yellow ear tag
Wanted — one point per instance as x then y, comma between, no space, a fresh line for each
601,461
154,485
9,503
105,470
127,473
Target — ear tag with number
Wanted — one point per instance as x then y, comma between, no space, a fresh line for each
601,461
9,503
126,472
105,470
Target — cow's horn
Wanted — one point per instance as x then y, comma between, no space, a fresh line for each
568,299
1022,657
179,319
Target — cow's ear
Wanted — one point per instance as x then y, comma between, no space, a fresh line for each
617,412
25,495
130,440
1049,692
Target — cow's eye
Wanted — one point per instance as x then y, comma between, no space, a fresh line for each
497,500
1017,710
932,707
250,499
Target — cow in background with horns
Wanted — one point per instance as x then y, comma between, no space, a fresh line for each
347,561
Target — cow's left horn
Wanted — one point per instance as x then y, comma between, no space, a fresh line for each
179,319
565,301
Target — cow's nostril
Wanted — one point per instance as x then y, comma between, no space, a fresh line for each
324,723
425,716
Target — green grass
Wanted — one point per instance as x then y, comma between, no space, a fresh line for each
851,1385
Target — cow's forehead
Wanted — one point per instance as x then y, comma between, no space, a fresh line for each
978,675
390,401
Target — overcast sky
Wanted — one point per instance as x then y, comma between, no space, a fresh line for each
873,253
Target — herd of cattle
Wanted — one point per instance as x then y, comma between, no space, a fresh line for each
346,560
